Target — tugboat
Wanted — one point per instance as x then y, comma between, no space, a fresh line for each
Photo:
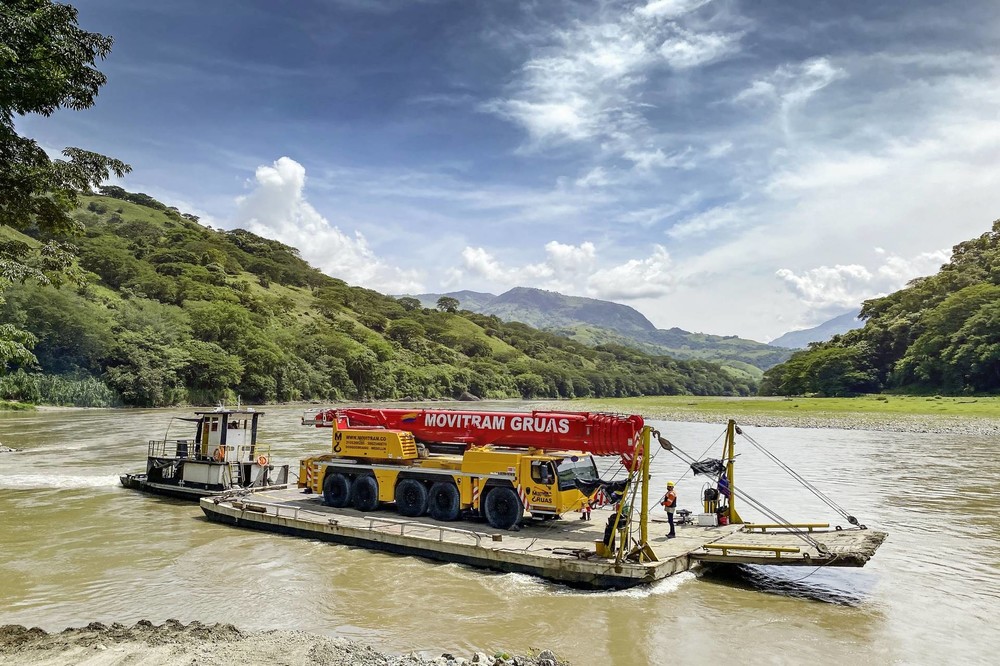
223,456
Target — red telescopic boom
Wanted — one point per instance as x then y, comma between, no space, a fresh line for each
598,434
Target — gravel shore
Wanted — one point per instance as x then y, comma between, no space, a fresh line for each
174,644
886,423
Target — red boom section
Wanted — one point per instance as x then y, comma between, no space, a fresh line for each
598,434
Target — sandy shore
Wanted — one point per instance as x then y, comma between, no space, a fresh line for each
174,644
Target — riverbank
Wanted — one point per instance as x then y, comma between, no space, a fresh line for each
174,643
962,416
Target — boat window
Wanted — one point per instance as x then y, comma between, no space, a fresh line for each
576,467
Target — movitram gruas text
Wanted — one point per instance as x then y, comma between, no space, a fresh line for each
497,422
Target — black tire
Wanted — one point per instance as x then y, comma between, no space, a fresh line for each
364,493
444,502
411,498
336,490
503,508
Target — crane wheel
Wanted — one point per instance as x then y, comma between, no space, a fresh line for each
444,501
364,493
503,508
411,498
336,490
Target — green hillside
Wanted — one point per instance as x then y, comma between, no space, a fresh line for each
939,334
176,312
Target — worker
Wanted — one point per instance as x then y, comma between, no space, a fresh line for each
609,529
670,504
585,510
724,486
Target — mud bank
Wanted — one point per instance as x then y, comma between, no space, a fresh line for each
174,643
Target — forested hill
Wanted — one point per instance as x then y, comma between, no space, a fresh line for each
939,334
176,312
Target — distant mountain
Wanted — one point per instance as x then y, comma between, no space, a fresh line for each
549,309
596,322
473,301
801,339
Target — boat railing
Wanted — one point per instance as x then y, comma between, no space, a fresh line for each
173,448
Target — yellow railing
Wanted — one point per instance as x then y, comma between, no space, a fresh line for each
763,527
726,547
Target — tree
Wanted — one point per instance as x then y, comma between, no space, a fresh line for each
409,303
447,304
46,63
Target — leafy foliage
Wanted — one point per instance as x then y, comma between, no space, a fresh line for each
47,62
941,333
178,312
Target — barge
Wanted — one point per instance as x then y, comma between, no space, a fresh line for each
561,551
485,490
222,456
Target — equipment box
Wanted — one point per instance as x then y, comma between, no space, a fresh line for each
707,520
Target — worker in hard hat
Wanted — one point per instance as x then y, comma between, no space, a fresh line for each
670,504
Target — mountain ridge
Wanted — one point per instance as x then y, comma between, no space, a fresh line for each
801,338
595,321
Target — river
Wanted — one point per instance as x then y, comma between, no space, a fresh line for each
75,547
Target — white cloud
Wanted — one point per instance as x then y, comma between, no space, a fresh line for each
648,160
277,209
790,86
669,8
829,171
687,49
712,219
636,278
829,289
570,269
596,177
588,84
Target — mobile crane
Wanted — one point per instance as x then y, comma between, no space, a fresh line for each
445,462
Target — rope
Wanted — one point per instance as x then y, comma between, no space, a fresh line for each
752,501
823,497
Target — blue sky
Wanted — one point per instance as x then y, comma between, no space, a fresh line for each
725,166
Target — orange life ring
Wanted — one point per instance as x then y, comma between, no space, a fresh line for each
219,455
262,460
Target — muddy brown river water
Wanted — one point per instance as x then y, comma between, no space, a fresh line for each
75,547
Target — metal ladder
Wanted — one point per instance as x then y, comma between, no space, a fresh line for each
234,473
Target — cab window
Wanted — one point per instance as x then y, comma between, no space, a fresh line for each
542,472
576,467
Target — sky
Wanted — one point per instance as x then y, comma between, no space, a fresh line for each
723,166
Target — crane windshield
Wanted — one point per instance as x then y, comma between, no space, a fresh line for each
576,467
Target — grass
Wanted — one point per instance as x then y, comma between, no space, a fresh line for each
888,405
14,406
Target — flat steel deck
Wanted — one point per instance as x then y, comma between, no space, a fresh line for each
558,550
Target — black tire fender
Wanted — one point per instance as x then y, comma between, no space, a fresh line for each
444,501
364,493
411,498
502,508
337,490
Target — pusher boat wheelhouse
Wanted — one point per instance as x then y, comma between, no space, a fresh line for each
222,456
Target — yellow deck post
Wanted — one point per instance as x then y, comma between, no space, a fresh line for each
734,516
644,516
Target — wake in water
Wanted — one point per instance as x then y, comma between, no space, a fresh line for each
523,585
60,481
